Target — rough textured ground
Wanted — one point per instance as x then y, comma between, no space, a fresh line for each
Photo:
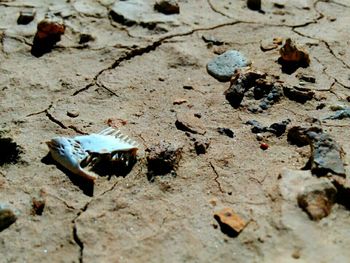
135,74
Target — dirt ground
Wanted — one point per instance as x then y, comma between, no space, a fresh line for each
129,76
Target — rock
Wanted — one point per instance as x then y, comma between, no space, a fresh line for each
339,115
241,82
10,151
167,7
116,122
89,8
162,159
201,143
293,57
223,66
201,146
337,107
48,33
307,78
266,88
226,131
257,126
26,16
326,154
254,4
278,128
38,203
278,40
259,137
318,198
179,101
267,45
230,223
298,94
84,38
297,135
314,195
320,106
264,146
187,87
72,113
138,12
290,52
186,121
7,217
212,40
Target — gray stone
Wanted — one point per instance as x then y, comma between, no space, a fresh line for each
223,66
326,154
138,12
340,114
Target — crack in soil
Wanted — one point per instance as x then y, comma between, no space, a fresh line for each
139,51
212,7
147,49
216,178
55,120
76,237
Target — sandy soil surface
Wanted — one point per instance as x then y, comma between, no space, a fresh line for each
140,77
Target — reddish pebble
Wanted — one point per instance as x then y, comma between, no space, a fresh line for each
264,146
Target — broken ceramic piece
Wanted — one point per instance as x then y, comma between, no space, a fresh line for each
230,223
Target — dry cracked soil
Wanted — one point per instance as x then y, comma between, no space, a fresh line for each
139,76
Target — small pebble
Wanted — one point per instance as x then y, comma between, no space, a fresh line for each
188,87
320,106
254,4
226,131
25,17
223,66
167,7
73,113
264,146
259,137
84,38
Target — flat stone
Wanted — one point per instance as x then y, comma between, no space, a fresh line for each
223,66
187,121
267,45
230,223
89,7
72,113
326,154
298,94
138,12
167,7
339,115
